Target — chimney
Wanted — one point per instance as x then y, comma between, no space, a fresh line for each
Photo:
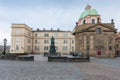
51,29
44,29
58,29
38,29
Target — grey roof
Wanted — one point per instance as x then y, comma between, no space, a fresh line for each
49,30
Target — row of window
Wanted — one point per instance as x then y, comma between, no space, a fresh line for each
45,41
47,35
56,42
117,46
18,31
92,21
65,48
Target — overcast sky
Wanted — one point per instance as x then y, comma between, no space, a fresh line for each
54,14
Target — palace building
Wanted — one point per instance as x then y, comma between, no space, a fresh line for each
26,40
117,44
94,37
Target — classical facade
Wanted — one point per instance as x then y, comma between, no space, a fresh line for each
94,37
117,44
26,40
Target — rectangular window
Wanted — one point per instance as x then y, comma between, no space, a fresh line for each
17,39
72,48
29,34
37,35
29,41
56,47
93,21
55,35
87,47
29,47
98,30
65,41
56,42
46,35
46,41
17,31
46,48
72,41
65,48
37,48
37,41
88,41
65,35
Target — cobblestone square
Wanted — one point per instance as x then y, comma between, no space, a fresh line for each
98,69
39,70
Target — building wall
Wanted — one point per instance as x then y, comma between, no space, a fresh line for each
117,44
88,19
94,37
38,41
90,42
21,33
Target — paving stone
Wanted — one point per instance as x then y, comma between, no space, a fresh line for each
101,69
97,69
37,70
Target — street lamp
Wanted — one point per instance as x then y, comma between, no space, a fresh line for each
5,41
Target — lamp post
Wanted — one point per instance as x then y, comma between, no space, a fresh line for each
5,41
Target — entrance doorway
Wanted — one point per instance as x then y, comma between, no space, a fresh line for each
99,52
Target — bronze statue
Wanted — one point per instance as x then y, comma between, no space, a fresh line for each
52,46
52,40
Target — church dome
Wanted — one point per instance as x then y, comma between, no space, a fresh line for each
89,12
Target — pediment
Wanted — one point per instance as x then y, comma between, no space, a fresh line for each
104,27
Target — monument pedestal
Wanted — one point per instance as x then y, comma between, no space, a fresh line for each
54,55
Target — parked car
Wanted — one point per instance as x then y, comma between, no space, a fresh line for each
76,54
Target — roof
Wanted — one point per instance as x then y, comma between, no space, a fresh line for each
89,12
49,31
86,27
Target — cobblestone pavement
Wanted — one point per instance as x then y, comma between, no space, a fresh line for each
39,70
110,62
101,69
97,69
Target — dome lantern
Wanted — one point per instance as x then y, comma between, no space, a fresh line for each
89,12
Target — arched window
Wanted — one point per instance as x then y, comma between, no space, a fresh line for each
93,21
98,31
84,21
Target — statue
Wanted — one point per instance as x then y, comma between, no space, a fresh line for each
52,40
52,46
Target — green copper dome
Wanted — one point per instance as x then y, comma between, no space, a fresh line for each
88,11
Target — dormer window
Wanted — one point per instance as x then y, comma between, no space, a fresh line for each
84,21
93,21
98,31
